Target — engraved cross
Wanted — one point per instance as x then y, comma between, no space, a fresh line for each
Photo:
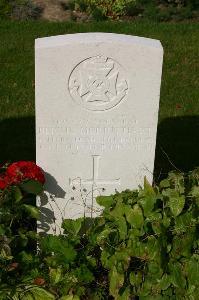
94,180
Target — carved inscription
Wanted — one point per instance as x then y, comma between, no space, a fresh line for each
98,83
98,138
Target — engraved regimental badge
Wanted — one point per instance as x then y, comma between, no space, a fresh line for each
98,83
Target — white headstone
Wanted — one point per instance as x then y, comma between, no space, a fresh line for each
97,99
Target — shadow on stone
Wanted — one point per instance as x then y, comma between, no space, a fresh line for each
52,186
47,217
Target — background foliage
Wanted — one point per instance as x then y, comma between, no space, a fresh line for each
160,10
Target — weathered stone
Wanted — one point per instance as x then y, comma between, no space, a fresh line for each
97,99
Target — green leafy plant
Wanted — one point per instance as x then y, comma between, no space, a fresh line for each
143,246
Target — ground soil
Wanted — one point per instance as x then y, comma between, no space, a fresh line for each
53,10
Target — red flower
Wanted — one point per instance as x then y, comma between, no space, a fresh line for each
178,106
22,170
13,266
39,281
19,171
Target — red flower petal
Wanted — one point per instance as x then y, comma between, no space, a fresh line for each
13,266
22,170
178,106
39,281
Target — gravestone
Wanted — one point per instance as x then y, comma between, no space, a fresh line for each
97,99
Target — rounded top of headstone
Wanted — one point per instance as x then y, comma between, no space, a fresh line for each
93,37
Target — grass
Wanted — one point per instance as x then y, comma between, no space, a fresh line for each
178,131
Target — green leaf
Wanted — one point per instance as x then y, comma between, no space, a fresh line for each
164,183
183,244
2,230
25,257
177,277
31,210
106,201
119,209
134,216
154,216
154,269
194,191
72,226
125,295
105,259
32,235
147,204
176,205
165,282
37,293
116,282
122,227
170,193
102,236
166,220
145,290
18,194
32,187
135,278
152,247
193,272
23,240
63,251
92,261
183,222
84,274
123,256
176,181
55,275
148,188
157,227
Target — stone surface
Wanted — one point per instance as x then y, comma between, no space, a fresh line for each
97,99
